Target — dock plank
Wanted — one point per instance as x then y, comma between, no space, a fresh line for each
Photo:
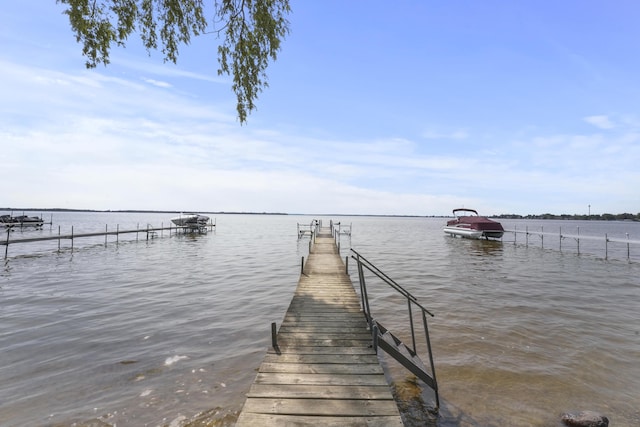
306,391
323,368
322,407
320,358
270,420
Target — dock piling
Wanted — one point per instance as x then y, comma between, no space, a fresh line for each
274,336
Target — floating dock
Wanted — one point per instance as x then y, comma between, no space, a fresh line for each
322,369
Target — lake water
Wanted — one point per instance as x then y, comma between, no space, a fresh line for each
170,331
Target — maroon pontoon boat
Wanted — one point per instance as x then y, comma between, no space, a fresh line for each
473,226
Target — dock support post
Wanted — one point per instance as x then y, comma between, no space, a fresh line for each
628,252
72,239
606,246
117,236
58,239
346,265
374,336
6,248
560,239
274,336
302,266
106,228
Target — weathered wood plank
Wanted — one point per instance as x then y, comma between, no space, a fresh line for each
320,379
319,331
270,420
312,327
345,315
323,350
322,325
305,391
322,407
324,310
322,368
320,358
304,342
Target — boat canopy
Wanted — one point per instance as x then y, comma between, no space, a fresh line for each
456,211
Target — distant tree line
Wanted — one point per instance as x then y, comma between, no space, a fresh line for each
602,217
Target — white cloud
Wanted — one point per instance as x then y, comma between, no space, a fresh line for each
157,82
458,134
601,122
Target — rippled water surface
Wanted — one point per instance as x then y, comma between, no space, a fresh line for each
170,330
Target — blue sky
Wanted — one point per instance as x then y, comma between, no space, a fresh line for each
374,107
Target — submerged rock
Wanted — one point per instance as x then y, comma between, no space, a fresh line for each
585,419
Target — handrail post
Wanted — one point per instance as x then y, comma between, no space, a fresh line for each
433,367
363,292
413,333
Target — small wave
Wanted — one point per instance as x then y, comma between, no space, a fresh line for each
171,360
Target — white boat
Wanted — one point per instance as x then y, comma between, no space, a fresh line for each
190,220
473,226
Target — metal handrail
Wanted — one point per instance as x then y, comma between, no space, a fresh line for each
375,270
378,330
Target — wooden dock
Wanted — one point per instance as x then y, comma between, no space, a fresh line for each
323,370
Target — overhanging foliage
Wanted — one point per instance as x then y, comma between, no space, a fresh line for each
251,30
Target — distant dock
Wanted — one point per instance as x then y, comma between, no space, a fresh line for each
322,369
147,232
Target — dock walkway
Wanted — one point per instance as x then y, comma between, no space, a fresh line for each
323,371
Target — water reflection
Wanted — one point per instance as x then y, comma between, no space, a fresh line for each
474,247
